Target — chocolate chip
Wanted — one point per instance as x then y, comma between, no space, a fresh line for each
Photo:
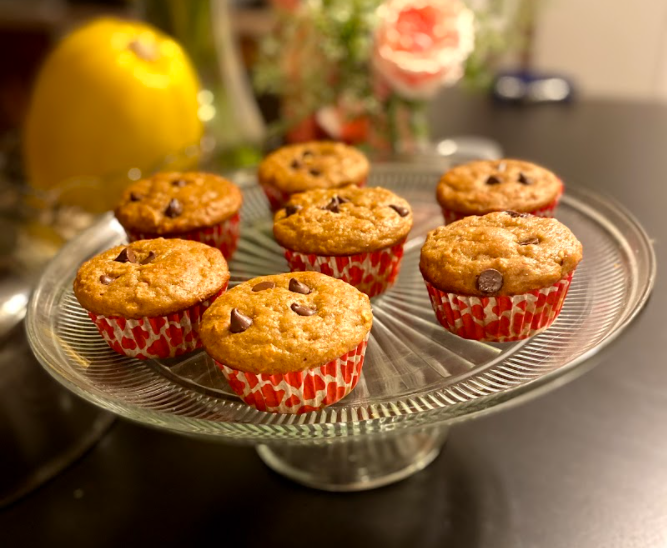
105,279
333,205
402,211
302,310
501,166
134,197
126,256
174,209
530,241
315,172
238,322
261,286
295,286
516,214
493,180
292,209
295,164
490,281
149,258
179,182
524,180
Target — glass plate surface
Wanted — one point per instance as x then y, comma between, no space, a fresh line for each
415,372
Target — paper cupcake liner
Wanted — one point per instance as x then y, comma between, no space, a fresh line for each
546,211
372,273
278,198
224,235
499,319
302,391
157,336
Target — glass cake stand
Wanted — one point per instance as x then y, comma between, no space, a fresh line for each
417,379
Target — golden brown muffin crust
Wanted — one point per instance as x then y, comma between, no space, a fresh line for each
205,200
529,252
466,188
279,340
181,274
316,164
365,221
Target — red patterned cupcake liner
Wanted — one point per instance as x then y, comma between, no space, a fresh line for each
278,198
499,319
302,391
545,211
155,337
372,273
224,235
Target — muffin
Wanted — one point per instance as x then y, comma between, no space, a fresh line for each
190,206
307,166
499,277
147,298
484,186
289,343
354,234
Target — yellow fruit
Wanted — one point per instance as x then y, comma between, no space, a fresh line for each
113,95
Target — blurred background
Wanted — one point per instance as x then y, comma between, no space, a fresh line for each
608,48
265,79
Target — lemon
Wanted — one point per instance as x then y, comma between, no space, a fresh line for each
114,97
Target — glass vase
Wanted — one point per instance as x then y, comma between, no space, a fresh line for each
235,129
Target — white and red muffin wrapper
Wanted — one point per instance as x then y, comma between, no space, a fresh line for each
502,318
302,391
155,337
278,198
224,235
372,273
548,210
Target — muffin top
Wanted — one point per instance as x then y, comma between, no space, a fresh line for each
317,164
171,203
505,253
342,221
150,278
484,186
285,323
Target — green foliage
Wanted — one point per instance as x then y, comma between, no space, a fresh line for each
343,32
334,39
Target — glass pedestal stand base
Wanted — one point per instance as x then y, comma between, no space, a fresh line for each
358,464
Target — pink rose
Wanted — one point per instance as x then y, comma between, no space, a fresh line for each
421,45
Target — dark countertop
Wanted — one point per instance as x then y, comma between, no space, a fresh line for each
583,466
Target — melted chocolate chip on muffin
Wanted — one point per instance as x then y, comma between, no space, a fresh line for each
282,330
499,254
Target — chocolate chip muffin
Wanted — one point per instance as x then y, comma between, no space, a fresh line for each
502,276
289,342
307,166
192,206
147,298
355,234
484,186
343,221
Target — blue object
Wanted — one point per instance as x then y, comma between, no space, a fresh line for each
532,88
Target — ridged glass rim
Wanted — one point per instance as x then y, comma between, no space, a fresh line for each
500,383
